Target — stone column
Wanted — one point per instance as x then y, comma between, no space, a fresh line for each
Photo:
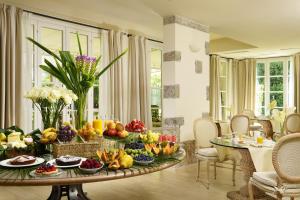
185,73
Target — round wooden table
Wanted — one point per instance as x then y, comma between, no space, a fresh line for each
247,166
70,182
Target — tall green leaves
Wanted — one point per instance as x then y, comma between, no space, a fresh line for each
79,45
66,71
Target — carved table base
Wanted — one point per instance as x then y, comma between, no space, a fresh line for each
73,192
248,168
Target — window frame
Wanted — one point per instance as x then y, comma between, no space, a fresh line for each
156,45
66,27
267,76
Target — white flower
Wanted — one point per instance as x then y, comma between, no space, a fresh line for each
67,99
44,93
52,94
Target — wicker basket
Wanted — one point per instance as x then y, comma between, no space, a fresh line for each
86,150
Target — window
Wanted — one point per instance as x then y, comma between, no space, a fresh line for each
58,35
224,89
273,82
156,88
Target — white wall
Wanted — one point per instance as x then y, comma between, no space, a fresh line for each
192,101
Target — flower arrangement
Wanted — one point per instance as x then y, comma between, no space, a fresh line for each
279,115
77,74
50,101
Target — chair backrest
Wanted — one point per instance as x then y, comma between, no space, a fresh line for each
292,123
286,159
240,124
249,113
204,131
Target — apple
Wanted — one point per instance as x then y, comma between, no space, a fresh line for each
122,134
112,132
111,125
119,127
105,132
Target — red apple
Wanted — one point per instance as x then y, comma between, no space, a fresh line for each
112,132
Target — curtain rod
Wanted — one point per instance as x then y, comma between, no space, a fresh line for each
249,58
82,24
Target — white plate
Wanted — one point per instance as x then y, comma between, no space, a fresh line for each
6,163
52,162
33,174
91,171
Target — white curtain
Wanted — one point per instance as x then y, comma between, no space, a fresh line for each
12,69
244,79
139,99
113,89
297,82
214,96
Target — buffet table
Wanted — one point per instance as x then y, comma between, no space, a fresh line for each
252,159
70,182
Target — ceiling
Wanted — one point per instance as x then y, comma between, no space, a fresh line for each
270,25
257,28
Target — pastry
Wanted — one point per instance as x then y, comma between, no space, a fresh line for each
67,160
46,169
23,160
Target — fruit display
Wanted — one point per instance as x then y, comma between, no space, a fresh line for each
150,137
167,138
135,126
48,136
115,159
115,129
144,158
90,164
46,169
87,132
166,148
134,145
66,133
136,152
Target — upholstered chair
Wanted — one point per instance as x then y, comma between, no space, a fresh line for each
204,131
240,124
285,180
292,123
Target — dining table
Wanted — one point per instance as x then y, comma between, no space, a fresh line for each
252,157
70,182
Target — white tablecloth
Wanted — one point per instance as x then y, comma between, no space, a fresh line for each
261,156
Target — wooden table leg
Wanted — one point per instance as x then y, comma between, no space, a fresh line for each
248,168
73,192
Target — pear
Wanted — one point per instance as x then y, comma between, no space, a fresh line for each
2,137
126,161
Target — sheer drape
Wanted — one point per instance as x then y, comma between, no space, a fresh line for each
139,99
11,71
244,79
241,84
297,82
215,100
115,80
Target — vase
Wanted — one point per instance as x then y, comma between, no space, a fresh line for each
50,117
80,114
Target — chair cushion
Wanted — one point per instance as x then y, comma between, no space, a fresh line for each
270,179
209,152
267,178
